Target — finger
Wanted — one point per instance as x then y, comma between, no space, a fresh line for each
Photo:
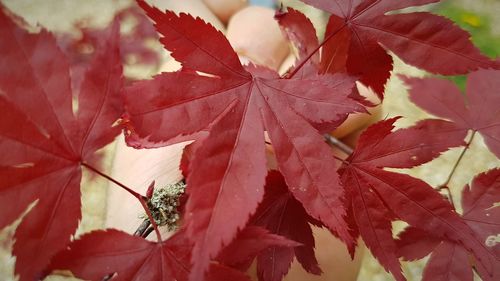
224,9
255,34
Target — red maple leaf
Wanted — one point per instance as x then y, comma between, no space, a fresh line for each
237,104
132,43
110,252
249,243
100,253
235,259
379,197
134,47
282,214
44,139
450,261
359,32
478,110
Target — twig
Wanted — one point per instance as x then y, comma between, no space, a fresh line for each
340,160
151,219
139,197
453,170
450,196
128,189
147,232
339,144
142,228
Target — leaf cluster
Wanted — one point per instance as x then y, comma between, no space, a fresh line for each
235,209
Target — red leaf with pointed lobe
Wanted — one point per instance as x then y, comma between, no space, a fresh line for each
480,207
414,244
133,44
334,53
282,214
380,196
361,29
476,111
481,213
187,157
43,142
300,30
134,47
449,261
345,51
248,244
409,147
374,223
236,105
101,253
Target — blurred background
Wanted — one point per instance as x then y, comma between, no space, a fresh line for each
78,26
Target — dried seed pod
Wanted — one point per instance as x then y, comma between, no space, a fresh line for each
163,205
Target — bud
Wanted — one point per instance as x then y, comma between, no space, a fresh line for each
151,189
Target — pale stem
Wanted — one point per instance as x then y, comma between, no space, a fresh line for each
454,169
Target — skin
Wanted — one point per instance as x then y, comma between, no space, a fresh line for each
224,9
260,40
138,168
196,8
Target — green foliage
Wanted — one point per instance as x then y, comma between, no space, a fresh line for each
479,25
